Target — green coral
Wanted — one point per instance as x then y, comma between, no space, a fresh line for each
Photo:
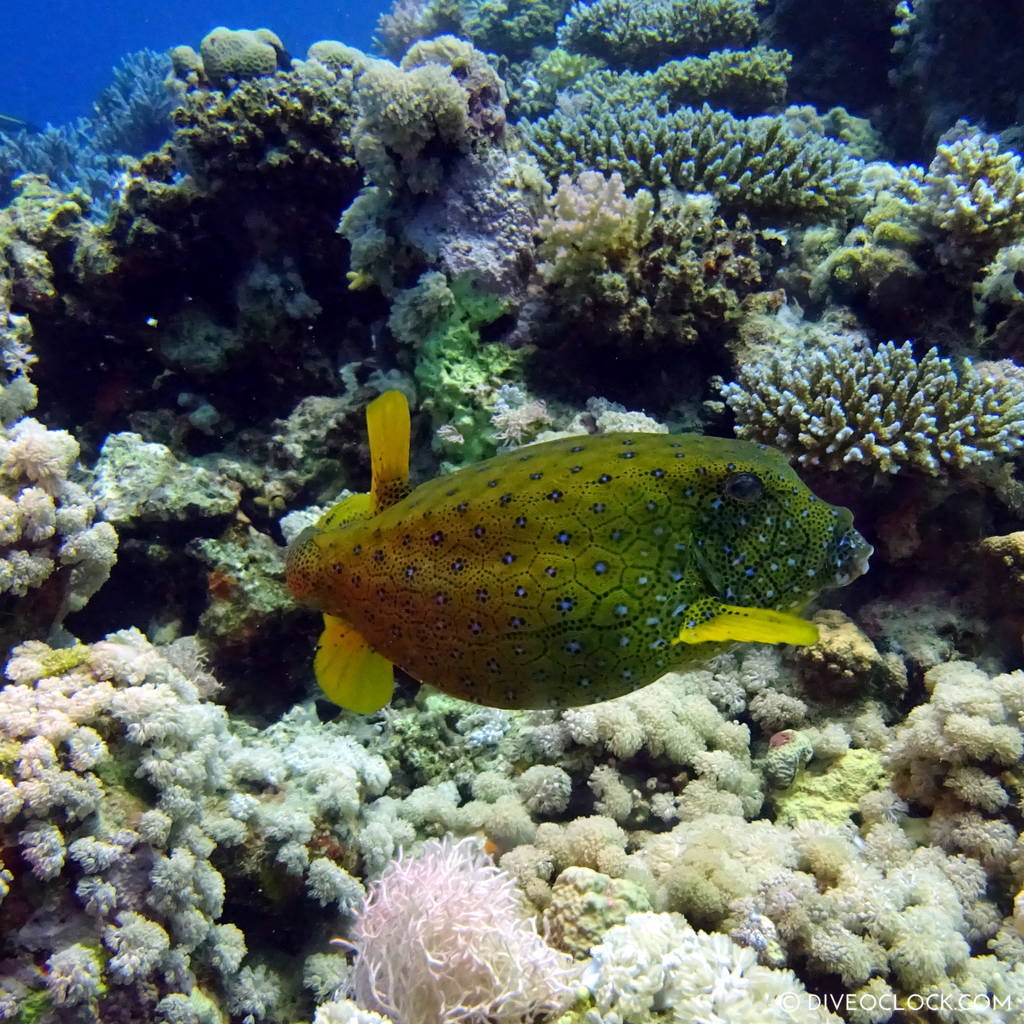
743,81
402,114
974,194
830,793
858,134
534,85
410,20
585,904
296,123
756,164
848,404
456,369
60,661
949,219
642,34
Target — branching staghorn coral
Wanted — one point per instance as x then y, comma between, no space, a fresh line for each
974,196
132,116
756,165
953,220
883,408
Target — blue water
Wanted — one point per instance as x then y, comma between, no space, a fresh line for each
59,54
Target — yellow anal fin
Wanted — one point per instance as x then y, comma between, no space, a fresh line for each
750,625
349,672
387,424
355,506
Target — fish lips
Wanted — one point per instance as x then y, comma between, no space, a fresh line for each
854,553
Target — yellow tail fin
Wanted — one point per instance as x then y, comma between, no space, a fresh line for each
750,625
349,672
387,424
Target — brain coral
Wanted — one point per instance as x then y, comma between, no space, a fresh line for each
241,53
884,408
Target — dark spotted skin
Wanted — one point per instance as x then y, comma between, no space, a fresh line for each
560,574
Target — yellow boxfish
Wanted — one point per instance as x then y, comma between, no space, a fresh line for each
566,572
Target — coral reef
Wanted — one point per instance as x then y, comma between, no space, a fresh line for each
526,204
643,281
657,960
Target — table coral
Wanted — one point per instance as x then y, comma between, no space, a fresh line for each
511,27
757,165
740,81
644,34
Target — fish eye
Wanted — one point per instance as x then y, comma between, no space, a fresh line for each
743,487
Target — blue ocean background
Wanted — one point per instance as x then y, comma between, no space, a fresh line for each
62,53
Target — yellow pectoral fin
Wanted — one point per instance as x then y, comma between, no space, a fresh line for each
349,672
752,625
387,424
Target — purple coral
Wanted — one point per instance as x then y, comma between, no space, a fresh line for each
444,937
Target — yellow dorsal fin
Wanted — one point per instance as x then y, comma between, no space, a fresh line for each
387,424
751,625
349,672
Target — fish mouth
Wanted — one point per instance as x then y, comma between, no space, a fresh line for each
854,553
